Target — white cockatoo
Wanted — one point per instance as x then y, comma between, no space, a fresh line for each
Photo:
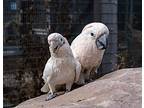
88,48
62,67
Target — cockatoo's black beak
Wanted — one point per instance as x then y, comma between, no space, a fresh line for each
101,42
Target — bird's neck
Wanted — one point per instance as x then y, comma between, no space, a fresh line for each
62,53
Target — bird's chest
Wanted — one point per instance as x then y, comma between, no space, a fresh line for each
90,55
61,65
63,70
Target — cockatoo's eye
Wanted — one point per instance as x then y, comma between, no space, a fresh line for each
92,34
61,39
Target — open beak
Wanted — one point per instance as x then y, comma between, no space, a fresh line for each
101,42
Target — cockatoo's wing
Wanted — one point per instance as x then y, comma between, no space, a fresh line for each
48,69
46,74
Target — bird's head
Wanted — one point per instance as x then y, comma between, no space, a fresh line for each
98,32
55,41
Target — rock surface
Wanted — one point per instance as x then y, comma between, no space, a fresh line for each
119,89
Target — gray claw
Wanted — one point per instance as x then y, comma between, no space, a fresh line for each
50,96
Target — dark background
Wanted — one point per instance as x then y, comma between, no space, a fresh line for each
28,22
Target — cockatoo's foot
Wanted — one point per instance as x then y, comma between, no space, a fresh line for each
67,90
88,81
91,80
68,87
50,96
81,82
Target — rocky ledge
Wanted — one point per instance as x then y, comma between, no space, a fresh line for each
119,89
